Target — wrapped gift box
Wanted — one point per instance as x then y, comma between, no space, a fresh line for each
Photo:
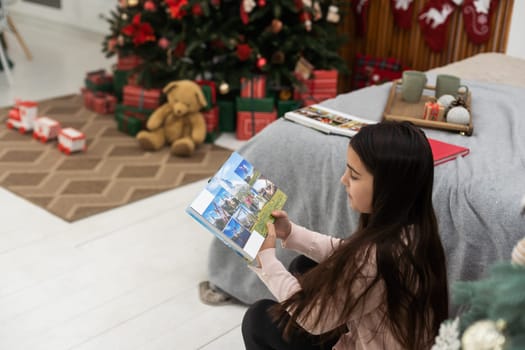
129,125
227,115
128,62
209,90
250,122
286,106
134,112
434,111
88,97
322,86
137,96
103,103
253,87
212,124
99,80
254,104
122,78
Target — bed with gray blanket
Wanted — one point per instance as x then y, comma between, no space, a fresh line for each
476,198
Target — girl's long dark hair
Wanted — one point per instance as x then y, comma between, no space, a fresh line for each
402,231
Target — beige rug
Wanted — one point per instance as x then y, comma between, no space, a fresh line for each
112,172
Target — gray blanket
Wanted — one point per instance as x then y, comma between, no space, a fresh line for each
476,198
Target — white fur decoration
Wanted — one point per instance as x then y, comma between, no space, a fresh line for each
518,253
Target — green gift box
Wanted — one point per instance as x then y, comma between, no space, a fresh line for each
135,112
286,106
227,115
129,125
102,87
255,104
208,95
120,78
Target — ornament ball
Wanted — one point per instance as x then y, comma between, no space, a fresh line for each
277,26
224,88
484,335
261,62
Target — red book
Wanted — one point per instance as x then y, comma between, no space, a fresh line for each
443,151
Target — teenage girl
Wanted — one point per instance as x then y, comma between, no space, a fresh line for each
385,286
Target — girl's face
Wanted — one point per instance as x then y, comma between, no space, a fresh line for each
359,183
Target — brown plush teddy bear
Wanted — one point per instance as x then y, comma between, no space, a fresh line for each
178,122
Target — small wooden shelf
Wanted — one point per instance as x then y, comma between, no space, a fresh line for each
399,110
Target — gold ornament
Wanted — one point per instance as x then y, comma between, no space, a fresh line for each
484,335
133,2
224,88
285,94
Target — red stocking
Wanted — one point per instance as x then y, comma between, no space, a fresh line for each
433,20
402,10
361,13
476,15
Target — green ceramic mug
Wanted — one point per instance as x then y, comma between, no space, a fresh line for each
412,85
449,85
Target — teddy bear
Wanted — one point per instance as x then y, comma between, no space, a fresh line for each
178,122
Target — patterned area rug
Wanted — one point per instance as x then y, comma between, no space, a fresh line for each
112,172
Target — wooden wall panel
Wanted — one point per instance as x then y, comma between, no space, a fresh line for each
384,39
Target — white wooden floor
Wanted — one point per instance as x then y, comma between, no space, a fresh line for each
124,279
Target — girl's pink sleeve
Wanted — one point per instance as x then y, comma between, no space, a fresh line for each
315,245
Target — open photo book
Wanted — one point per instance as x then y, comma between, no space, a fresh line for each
331,121
327,120
236,204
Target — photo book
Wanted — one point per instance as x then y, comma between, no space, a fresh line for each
236,204
327,120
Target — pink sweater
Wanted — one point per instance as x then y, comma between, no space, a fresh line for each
363,325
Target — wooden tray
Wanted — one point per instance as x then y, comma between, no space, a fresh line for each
399,110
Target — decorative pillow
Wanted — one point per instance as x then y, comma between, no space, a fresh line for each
373,71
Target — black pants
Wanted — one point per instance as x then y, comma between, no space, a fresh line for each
260,332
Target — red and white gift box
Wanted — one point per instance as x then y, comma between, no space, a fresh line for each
128,62
322,86
434,111
212,86
137,96
103,103
254,87
211,117
99,77
250,122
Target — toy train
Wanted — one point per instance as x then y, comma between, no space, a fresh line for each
23,116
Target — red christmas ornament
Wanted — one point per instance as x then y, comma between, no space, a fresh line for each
196,10
243,52
261,62
163,43
262,3
150,6
180,49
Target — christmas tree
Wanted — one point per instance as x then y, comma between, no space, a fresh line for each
493,316
225,40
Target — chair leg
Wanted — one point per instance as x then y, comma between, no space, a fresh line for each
5,65
19,38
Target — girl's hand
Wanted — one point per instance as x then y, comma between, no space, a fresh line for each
282,225
269,241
